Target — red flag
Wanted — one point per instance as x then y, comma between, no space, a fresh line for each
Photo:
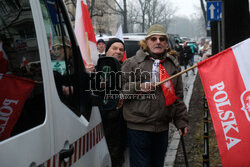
226,83
83,26
14,92
119,34
3,60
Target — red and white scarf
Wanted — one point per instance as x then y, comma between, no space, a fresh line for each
159,73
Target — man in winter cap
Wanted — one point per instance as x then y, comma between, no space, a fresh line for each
150,110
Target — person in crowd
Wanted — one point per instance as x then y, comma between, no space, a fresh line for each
208,52
204,48
114,48
148,118
179,50
194,49
111,109
59,63
58,49
101,45
187,55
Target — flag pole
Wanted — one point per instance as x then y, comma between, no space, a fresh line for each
87,42
176,75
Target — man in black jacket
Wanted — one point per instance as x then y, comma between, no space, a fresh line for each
110,106
187,55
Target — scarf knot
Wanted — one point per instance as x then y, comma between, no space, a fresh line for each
159,73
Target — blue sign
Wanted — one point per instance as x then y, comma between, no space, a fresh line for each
214,11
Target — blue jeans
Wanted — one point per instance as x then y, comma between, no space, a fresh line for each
147,149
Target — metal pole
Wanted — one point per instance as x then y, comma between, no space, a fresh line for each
219,37
223,25
206,139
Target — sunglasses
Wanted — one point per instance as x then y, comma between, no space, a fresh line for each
161,39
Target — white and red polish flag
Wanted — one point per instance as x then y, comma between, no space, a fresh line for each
3,60
119,34
83,25
14,92
226,82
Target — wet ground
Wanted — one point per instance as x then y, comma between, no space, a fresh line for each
194,141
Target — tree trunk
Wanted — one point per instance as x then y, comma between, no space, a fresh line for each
203,11
125,21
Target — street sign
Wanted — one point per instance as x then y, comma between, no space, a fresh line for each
214,11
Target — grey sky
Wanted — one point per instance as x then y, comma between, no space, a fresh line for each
185,7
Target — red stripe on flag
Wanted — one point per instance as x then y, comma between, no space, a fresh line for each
14,92
87,23
223,86
124,56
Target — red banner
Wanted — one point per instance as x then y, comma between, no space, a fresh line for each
226,83
13,93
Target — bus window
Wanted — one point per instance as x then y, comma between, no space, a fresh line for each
22,104
66,61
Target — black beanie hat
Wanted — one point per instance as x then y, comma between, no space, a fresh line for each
111,41
101,40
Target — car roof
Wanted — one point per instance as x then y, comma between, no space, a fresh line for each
131,41
126,37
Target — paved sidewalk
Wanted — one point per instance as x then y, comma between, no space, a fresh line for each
174,137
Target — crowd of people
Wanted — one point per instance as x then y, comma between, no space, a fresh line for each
142,123
187,51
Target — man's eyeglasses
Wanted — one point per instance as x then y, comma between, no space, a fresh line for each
57,48
161,39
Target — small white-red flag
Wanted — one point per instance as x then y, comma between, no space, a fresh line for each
3,60
119,34
226,82
85,34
